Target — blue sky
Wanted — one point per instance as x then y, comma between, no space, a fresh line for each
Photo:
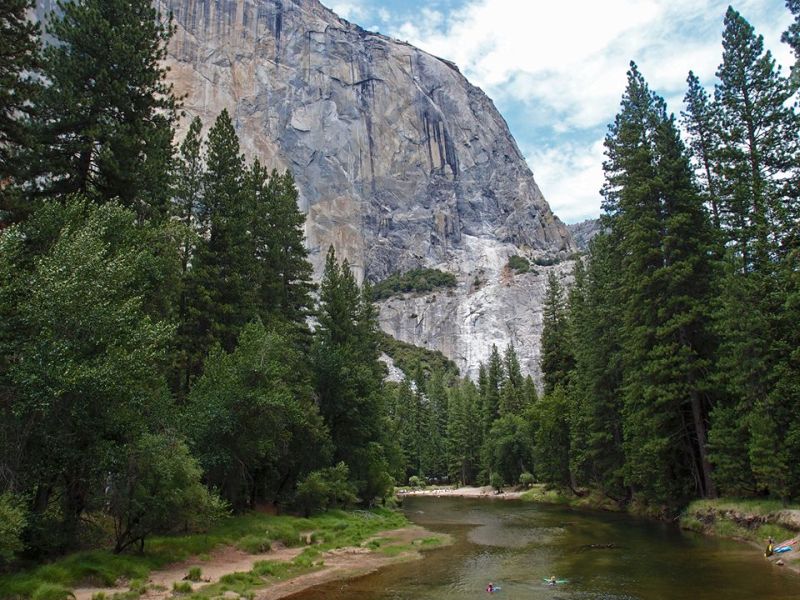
556,68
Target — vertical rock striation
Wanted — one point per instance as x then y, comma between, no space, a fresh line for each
400,162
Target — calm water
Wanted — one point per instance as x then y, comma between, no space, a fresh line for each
515,545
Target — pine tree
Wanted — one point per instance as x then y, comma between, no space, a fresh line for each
664,238
106,114
512,398
19,53
491,398
700,120
761,148
223,269
349,378
792,35
596,451
557,359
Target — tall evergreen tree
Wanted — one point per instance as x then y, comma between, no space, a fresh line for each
664,238
557,359
106,113
792,35
512,392
700,120
18,59
349,378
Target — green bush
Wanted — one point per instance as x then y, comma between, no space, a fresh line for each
545,261
526,480
520,264
415,280
194,574
326,488
12,522
496,481
52,591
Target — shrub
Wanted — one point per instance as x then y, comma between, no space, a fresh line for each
496,481
324,489
526,480
12,522
520,264
194,574
415,482
415,280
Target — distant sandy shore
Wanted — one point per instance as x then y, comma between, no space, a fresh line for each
486,491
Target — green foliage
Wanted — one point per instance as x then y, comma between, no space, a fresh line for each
551,438
496,481
182,587
526,480
508,448
12,523
157,488
415,280
92,139
251,421
409,358
520,264
324,489
194,574
49,591
557,358
254,544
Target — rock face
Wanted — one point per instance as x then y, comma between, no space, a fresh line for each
400,162
583,232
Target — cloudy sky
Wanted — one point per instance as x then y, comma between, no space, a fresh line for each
556,68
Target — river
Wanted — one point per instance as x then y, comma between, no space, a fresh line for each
515,545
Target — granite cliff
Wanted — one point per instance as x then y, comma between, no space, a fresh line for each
399,160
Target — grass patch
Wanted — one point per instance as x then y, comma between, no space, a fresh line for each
747,519
52,591
194,574
103,569
540,492
182,587
254,544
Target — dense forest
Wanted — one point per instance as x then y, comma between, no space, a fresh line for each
157,367
157,363
671,365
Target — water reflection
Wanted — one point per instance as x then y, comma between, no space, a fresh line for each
516,545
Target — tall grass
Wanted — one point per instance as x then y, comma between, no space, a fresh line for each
101,568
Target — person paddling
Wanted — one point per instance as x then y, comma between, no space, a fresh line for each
490,588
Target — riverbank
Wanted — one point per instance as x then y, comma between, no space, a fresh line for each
249,556
752,521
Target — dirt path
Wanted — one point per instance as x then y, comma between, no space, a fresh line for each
338,564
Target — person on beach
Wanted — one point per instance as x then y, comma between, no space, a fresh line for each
770,547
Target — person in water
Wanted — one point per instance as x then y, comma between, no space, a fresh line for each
551,580
490,588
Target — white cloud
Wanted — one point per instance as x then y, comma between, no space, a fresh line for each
563,65
570,177
352,10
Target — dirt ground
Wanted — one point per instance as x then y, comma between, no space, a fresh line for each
339,564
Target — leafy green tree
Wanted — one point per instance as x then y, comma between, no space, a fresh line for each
106,114
792,35
12,524
85,361
251,421
157,488
557,359
509,448
325,488
19,51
